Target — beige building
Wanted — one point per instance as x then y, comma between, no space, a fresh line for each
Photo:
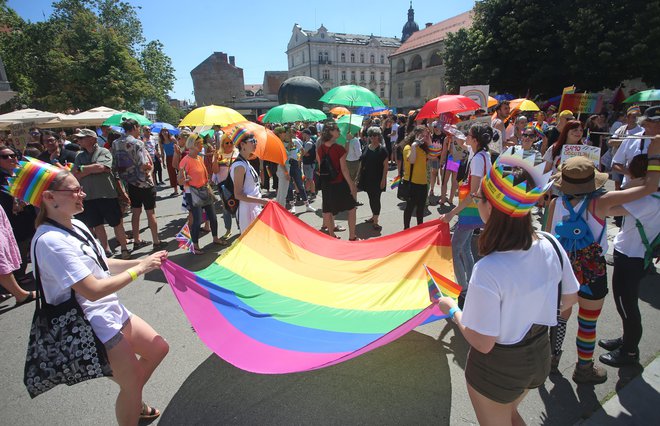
218,81
336,59
417,66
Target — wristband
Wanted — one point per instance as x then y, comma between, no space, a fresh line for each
654,168
81,168
132,273
453,311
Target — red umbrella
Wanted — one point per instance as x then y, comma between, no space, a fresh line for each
261,118
447,103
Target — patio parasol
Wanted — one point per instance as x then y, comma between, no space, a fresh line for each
211,115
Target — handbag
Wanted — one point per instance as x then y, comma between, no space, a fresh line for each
62,346
202,196
226,189
403,192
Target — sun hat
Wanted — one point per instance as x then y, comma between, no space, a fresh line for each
651,114
578,175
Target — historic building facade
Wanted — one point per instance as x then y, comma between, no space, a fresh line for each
417,67
217,80
336,59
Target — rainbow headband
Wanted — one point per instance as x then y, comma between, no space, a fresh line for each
31,178
515,200
237,135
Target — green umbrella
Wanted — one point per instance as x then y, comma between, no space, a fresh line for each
346,123
352,96
644,96
209,132
116,119
318,114
288,113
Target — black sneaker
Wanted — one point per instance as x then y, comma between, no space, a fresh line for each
619,358
610,344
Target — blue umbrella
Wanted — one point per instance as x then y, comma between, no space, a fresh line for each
157,127
504,97
365,110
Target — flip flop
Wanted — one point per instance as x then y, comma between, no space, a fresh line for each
148,413
371,220
31,297
140,244
339,228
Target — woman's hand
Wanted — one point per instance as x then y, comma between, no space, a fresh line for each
446,303
152,262
447,217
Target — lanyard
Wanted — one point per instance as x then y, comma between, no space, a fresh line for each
88,241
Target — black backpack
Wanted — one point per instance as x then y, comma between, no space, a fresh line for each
226,189
327,171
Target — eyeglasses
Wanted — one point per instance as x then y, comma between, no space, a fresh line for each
74,191
528,135
8,156
253,140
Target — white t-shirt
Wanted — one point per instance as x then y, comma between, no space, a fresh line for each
480,164
647,211
247,211
628,149
498,128
354,150
394,136
57,248
512,290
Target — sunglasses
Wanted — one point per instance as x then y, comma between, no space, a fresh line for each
253,140
74,191
528,135
7,156
227,143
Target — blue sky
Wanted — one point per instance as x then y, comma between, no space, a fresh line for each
257,32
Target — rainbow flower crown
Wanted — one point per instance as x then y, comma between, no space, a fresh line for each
31,178
515,200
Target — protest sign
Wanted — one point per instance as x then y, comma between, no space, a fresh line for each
479,94
20,134
587,103
591,152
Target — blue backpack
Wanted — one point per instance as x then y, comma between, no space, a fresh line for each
573,232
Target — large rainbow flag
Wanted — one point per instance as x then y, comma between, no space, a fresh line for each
286,298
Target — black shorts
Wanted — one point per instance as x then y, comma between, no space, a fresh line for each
337,198
142,197
100,211
503,374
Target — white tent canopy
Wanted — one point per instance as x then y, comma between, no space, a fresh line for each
92,117
27,116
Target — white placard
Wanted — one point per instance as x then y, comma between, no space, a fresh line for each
591,152
479,94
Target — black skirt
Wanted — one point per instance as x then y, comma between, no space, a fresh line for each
337,198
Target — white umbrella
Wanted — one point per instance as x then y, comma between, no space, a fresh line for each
91,117
27,116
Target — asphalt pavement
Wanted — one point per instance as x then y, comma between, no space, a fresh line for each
415,380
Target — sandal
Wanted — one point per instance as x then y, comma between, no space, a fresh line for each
220,242
354,239
140,244
370,220
377,227
125,254
31,297
339,228
148,413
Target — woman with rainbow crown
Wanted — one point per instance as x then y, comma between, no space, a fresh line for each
515,292
133,347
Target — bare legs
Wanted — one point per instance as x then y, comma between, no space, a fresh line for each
493,413
8,282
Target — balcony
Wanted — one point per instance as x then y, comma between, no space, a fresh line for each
325,62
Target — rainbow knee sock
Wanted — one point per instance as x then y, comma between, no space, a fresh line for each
586,335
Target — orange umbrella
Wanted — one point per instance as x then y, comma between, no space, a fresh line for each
492,102
339,111
269,146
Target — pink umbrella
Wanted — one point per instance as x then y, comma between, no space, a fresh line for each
447,103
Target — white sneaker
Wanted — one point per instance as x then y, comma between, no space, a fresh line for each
292,210
309,208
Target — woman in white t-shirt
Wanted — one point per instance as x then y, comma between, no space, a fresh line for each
69,258
513,296
223,158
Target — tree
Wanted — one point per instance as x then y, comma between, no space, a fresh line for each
158,69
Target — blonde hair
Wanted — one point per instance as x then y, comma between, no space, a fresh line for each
55,184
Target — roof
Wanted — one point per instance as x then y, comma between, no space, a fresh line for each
357,39
254,88
436,32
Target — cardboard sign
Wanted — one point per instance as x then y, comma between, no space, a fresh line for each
479,94
591,152
20,134
587,103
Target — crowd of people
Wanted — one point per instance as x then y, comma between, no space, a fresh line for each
496,178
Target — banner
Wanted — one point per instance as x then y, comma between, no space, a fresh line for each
587,103
565,91
591,152
479,94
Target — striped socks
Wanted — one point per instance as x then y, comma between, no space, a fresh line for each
586,335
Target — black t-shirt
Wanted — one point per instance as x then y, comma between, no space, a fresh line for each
371,172
66,156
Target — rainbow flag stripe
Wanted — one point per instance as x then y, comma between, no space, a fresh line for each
439,285
395,182
286,298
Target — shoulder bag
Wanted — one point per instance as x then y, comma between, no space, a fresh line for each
404,189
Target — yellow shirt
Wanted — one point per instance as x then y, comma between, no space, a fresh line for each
419,169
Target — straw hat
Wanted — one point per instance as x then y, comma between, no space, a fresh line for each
578,175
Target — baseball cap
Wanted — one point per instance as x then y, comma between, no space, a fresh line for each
83,133
651,114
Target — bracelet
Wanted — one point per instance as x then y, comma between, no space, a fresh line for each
132,273
655,168
81,168
453,311
654,157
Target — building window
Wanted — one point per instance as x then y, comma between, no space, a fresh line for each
418,89
352,57
361,75
416,63
320,57
326,74
372,76
353,76
400,90
325,56
372,59
343,75
382,92
435,59
382,59
362,58
382,76
400,66
303,57
343,57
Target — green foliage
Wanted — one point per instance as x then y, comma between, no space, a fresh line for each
521,45
168,114
88,53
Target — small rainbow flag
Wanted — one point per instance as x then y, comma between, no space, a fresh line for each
184,239
441,286
395,182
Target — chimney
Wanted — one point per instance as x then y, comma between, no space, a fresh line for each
232,60
428,24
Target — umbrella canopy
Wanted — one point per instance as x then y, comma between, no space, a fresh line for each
352,96
348,123
318,114
157,127
205,133
211,115
371,111
117,119
340,111
288,113
269,146
492,102
28,116
523,105
447,103
644,96
91,117
503,97
260,119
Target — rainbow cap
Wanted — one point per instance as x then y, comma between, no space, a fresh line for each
635,109
31,178
238,134
515,200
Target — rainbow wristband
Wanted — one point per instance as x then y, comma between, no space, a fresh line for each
132,273
453,311
654,168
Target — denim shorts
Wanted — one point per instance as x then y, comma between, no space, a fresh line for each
114,340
